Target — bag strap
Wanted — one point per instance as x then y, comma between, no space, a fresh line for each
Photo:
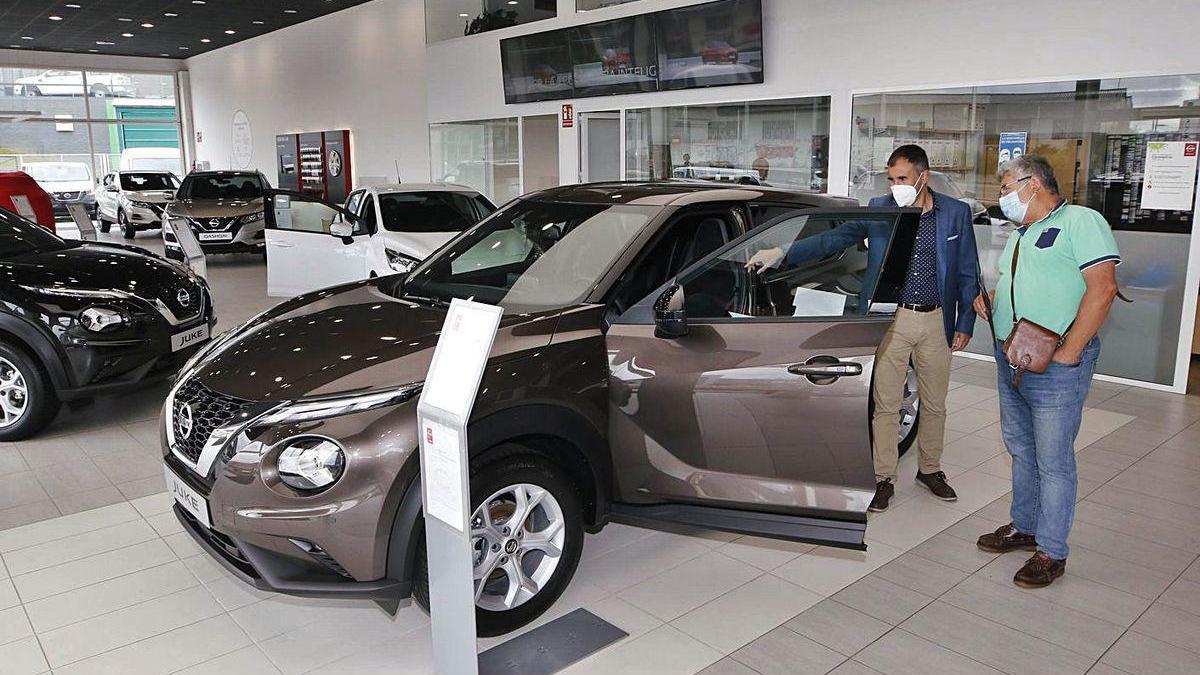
987,299
1012,279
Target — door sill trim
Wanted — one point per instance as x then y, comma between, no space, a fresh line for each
823,531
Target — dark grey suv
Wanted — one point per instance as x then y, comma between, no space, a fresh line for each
640,372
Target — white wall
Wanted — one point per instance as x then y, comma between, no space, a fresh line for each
361,69
837,47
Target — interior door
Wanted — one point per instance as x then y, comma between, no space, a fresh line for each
756,419
311,244
600,147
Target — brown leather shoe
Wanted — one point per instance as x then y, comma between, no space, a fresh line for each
1006,538
884,490
1039,571
936,482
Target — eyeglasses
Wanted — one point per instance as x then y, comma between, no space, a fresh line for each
1006,188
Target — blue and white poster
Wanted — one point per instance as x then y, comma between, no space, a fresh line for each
1012,145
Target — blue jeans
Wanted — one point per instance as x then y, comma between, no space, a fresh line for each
1039,421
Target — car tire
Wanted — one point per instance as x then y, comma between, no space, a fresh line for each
507,467
128,229
24,379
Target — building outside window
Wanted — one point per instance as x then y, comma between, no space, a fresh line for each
446,19
484,155
86,124
1096,134
783,143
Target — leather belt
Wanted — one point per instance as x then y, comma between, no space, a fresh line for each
919,308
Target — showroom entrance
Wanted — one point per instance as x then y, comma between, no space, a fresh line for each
599,146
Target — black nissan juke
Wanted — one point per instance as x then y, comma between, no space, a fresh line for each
80,319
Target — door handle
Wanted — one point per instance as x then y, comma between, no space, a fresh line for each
282,244
836,369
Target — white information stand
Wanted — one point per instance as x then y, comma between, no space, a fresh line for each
193,255
83,221
443,411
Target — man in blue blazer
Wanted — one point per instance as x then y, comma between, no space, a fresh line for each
935,317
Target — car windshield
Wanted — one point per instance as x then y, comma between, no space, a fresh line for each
148,181
430,211
532,255
19,236
233,186
56,172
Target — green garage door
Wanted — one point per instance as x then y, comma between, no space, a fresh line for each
146,135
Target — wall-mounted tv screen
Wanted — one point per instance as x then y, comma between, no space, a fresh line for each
615,57
708,45
537,67
712,44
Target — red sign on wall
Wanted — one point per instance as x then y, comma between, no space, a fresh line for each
568,115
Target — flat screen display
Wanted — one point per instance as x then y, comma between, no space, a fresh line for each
537,67
718,43
615,57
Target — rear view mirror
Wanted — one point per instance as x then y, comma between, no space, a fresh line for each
342,229
670,318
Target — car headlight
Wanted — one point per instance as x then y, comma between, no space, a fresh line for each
140,205
62,291
400,262
307,411
253,217
101,319
310,462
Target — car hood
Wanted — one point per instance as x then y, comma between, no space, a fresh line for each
106,267
415,244
66,185
347,339
215,208
153,196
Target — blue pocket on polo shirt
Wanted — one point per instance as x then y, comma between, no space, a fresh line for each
1046,240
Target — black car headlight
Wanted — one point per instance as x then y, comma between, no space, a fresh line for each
252,218
310,462
139,204
400,262
102,319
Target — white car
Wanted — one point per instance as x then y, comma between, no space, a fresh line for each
152,159
134,200
396,227
67,182
70,83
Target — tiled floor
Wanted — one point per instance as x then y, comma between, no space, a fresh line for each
121,589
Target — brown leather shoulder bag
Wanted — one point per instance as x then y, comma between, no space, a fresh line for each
1030,346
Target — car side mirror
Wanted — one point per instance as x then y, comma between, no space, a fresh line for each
670,318
343,230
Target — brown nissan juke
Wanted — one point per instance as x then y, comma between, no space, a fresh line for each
640,373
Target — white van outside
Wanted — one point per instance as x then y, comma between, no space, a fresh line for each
152,159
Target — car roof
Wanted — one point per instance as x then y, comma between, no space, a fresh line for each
223,173
680,193
389,188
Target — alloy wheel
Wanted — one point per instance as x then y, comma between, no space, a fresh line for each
909,405
14,393
517,535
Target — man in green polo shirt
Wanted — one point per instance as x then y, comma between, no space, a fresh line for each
1063,279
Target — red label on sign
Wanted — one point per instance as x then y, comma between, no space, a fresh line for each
568,115
1189,149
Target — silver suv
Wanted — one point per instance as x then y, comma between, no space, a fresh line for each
224,210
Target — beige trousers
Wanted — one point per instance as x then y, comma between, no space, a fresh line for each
921,337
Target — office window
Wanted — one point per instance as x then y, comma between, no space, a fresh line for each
1096,134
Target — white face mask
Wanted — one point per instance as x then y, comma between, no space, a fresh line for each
905,194
1013,208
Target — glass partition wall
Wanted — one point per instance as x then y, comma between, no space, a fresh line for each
56,124
1096,134
783,143
482,154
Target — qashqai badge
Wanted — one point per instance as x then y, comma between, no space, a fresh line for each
187,421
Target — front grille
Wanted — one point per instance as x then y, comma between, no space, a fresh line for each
66,196
172,296
214,224
208,411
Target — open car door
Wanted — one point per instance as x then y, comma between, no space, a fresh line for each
311,244
739,399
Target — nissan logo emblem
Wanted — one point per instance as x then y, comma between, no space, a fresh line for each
214,222
186,420
183,297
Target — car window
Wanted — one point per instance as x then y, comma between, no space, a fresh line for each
19,236
301,215
108,179
148,181
483,208
221,186
532,255
817,266
368,214
58,172
353,201
686,239
427,211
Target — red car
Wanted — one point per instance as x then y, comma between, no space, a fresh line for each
20,194
719,51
